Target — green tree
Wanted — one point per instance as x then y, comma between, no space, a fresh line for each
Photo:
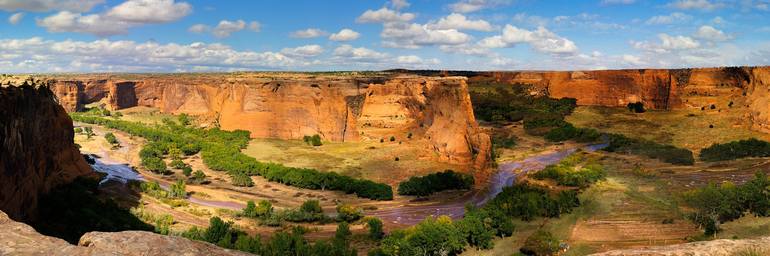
163,224
349,213
112,139
250,210
89,132
78,130
264,209
217,230
184,119
343,232
177,190
198,177
311,206
175,153
540,243
375,228
187,170
154,164
241,180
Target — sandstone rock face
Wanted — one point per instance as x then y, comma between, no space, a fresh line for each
657,89
20,239
722,247
339,108
37,152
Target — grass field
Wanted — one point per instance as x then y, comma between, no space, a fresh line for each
370,160
687,128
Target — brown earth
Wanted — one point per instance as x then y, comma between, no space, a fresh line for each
37,152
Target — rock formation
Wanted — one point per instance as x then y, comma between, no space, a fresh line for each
655,88
20,239
37,152
290,106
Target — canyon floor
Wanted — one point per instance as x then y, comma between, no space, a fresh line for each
629,209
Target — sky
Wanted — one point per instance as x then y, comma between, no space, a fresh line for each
41,36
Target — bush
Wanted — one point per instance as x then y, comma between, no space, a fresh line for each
184,119
735,150
314,140
178,164
666,153
375,228
348,213
198,177
241,180
177,190
112,139
154,164
527,202
311,206
250,210
570,132
541,243
435,182
78,130
636,107
429,237
187,171
577,170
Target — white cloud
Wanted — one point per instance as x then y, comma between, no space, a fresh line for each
304,51
150,11
361,53
460,22
345,34
530,20
633,60
399,4
38,55
226,27
677,42
541,40
199,28
705,5
718,20
118,19
384,15
15,18
676,17
49,5
467,49
710,33
405,35
308,33
618,1
415,60
466,6
586,20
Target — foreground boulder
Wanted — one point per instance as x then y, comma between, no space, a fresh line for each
20,239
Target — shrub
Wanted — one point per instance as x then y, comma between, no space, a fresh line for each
177,190
198,177
541,243
349,213
666,153
241,180
178,164
78,130
187,171
375,228
735,150
311,206
112,139
429,237
392,138
184,119
576,170
154,164
527,202
636,107
570,132
435,182
250,210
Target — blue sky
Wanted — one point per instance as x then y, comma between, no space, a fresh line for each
195,35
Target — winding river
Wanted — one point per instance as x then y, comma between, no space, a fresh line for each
408,214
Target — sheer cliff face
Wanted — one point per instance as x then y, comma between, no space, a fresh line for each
339,108
37,152
657,89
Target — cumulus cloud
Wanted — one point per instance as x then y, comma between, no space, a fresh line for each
460,22
15,18
360,53
585,20
150,11
225,28
199,28
633,60
399,4
466,6
541,40
345,34
384,15
705,5
676,17
49,5
304,51
406,35
667,43
710,33
308,33
39,55
118,19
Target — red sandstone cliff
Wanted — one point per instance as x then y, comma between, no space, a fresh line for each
290,106
37,152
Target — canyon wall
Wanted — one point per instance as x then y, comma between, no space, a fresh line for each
293,105
37,152
656,88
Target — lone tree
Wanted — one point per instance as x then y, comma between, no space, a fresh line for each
89,132
112,139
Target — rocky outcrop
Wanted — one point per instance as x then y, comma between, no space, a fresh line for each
20,239
722,247
655,88
37,152
290,106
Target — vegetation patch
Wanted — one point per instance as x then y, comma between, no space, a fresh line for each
577,170
435,182
221,151
735,150
665,153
